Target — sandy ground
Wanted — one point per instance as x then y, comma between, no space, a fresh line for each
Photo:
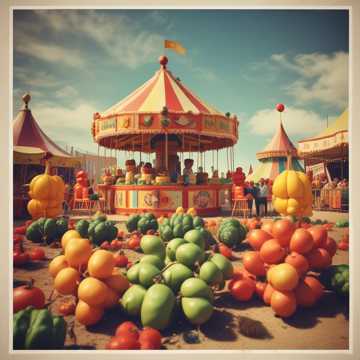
325,326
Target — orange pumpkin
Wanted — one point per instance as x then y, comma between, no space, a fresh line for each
37,208
305,295
284,277
93,291
66,281
283,303
268,293
88,315
315,285
257,237
267,226
78,251
70,234
282,230
318,259
271,252
101,264
330,246
301,241
117,281
299,262
57,264
319,235
253,263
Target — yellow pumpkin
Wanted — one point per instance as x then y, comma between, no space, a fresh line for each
37,208
192,212
292,194
52,212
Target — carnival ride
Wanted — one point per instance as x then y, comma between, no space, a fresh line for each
165,118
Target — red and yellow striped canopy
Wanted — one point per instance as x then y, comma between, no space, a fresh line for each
162,105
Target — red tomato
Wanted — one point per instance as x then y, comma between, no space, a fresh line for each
134,242
123,342
225,251
120,234
342,245
243,290
105,245
20,230
127,327
120,259
20,258
27,295
17,238
37,253
150,338
67,308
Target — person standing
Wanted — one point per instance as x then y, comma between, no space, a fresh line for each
250,194
261,198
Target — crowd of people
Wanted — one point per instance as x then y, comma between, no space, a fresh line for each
260,193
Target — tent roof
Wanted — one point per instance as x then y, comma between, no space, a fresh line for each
162,90
279,146
27,133
339,125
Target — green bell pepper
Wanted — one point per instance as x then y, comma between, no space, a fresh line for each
59,332
20,325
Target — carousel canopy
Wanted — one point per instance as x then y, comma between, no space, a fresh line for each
164,105
332,143
274,158
31,144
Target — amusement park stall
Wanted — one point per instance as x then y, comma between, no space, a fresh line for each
165,118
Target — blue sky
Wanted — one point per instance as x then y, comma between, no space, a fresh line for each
75,63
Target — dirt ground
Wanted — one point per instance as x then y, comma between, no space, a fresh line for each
325,326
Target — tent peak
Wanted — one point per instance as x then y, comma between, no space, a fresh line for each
26,99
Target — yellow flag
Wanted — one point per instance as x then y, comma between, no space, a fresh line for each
176,46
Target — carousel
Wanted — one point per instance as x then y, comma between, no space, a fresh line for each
164,118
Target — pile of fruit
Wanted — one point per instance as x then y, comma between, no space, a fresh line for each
142,223
46,230
181,268
283,254
98,230
90,275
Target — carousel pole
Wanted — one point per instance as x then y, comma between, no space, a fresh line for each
97,163
217,160
166,151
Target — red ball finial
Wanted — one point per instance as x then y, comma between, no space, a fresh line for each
280,107
163,60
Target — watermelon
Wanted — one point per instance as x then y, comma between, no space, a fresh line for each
61,227
231,221
82,227
166,233
131,223
50,230
187,221
33,233
112,230
231,234
178,231
101,233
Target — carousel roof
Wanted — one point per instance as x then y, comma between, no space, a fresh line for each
279,146
164,106
162,90
29,139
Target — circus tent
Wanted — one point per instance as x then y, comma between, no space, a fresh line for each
274,158
31,144
329,150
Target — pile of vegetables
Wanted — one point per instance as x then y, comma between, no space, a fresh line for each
283,254
38,329
46,230
181,268
142,223
336,278
98,230
231,232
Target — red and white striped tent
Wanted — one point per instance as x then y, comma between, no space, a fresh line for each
274,158
162,105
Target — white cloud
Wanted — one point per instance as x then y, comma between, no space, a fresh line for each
323,78
67,92
120,38
34,78
296,121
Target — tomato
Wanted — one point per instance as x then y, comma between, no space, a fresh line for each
123,342
120,259
243,290
20,230
120,234
260,289
37,253
17,238
28,295
105,245
225,251
129,265
134,242
20,258
127,327
116,244
150,338
342,245
67,308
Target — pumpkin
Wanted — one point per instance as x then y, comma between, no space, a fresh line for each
292,194
253,263
257,237
271,252
47,194
88,315
301,241
299,262
283,303
284,277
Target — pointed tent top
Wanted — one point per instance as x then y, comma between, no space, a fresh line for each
250,170
279,146
27,133
162,90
